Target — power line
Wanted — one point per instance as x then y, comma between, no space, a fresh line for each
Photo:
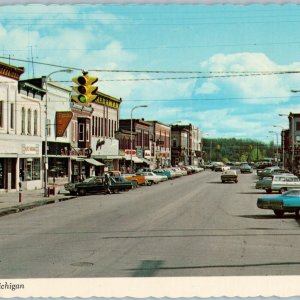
163,47
156,24
211,74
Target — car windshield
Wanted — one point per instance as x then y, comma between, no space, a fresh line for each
292,193
90,179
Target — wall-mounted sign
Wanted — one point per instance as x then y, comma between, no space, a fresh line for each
147,153
129,152
30,149
63,119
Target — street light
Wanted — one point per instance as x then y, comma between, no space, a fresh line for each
46,128
276,145
210,147
135,107
283,142
293,136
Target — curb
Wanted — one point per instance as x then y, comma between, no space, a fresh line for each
22,207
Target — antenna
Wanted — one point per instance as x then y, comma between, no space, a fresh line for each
32,63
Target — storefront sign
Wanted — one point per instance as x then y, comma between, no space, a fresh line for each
63,119
128,152
147,153
32,149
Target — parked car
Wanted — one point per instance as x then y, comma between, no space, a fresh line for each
264,184
177,172
229,176
221,168
163,172
245,168
271,172
188,169
137,179
266,170
287,202
153,178
280,183
122,179
96,184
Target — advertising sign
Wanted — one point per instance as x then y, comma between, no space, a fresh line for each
63,119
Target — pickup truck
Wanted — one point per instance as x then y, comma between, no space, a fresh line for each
229,175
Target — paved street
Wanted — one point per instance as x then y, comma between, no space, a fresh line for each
191,226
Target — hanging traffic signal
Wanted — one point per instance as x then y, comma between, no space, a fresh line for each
86,92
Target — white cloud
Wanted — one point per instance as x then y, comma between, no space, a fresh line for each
207,87
254,89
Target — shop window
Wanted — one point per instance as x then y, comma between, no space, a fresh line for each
36,169
33,169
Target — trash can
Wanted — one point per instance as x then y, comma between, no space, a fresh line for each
51,190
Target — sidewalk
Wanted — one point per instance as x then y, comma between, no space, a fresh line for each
10,202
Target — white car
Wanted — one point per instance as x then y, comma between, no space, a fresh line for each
153,178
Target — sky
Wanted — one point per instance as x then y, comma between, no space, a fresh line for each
227,69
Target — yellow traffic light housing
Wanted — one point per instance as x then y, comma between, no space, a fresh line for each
86,92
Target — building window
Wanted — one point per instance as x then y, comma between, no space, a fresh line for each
29,121
174,143
298,126
109,128
102,127
87,131
35,122
73,137
48,127
81,132
93,125
32,168
99,127
23,121
1,113
12,116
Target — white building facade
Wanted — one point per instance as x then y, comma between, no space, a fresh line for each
20,132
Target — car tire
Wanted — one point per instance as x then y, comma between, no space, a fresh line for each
134,184
268,191
278,213
223,181
82,192
236,181
149,183
282,190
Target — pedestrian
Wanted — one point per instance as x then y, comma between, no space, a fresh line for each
106,183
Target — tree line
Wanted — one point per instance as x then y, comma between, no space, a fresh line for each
233,149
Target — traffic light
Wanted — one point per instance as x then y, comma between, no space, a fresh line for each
86,92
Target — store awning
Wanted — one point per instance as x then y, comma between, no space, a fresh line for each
77,158
108,157
94,162
137,160
146,161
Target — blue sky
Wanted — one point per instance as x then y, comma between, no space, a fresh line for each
205,45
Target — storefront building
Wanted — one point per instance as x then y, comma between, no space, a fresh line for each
20,131
104,125
141,132
161,144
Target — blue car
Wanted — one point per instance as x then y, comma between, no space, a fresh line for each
286,202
